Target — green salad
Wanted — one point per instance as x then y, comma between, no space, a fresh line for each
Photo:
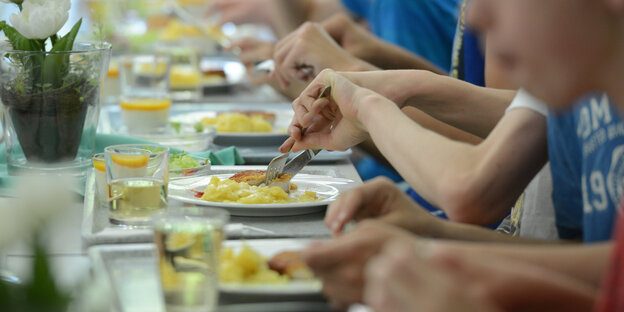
182,161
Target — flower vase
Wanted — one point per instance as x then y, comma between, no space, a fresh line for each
51,106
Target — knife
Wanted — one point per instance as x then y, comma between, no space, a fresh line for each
268,66
298,162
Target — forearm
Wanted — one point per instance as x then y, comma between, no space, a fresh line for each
389,56
288,15
462,105
468,107
434,227
419,155
587,263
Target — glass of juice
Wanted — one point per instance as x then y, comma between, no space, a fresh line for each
145,92
189,242
137,176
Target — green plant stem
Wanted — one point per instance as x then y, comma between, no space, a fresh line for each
53,39
19,5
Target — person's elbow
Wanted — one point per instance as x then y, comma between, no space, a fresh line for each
468,199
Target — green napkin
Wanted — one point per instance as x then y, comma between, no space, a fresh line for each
228,156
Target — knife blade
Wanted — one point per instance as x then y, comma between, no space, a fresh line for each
268,66
298,162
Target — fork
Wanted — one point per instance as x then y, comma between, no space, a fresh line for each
276,166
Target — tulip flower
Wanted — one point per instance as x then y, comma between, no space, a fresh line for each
40,19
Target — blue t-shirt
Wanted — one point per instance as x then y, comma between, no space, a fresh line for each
586,149
425,27
467,60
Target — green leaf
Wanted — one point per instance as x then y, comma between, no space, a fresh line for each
66,43
56,66
18,41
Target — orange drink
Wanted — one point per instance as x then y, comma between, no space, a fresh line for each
145,114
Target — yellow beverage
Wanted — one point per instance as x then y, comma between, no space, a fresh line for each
145,114
188,258
145,104
132,200
184,78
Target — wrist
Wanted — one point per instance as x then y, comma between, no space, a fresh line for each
421,86
374,109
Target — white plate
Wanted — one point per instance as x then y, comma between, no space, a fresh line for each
324,186
268,248
283,118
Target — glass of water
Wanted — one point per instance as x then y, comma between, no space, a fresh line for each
189,242
137,176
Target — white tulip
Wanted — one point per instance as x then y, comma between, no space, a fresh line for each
40,19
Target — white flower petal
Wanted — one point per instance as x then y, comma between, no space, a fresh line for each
40,19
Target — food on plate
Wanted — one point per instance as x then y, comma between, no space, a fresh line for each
258,177
249,267
237,122
176,30
268,117
230,191
290,263
213,76
145,114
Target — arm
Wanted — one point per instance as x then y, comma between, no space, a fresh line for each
587,263
459,178
381,199
362,44
465,106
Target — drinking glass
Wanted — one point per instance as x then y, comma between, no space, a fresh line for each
100,177
137,176
189,242
145,95
184,77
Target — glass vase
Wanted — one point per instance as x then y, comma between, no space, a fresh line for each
51,104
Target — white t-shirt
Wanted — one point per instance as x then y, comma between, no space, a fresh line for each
533,216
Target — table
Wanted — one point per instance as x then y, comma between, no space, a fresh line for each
71,264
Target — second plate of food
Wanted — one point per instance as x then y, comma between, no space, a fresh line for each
310,193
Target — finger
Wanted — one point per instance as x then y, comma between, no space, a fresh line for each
329,255
342,210
283,82
287,145
313,110
301,110
253,56
291,67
